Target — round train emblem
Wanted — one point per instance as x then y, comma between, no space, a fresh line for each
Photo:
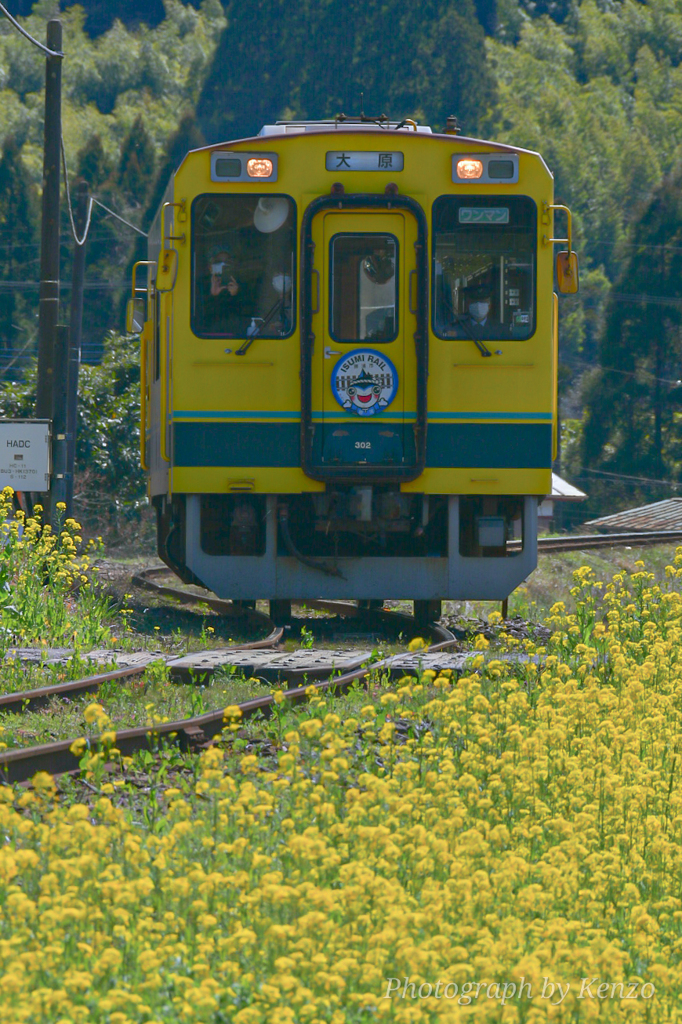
364,382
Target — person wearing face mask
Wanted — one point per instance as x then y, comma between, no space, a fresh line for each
478,317
479,311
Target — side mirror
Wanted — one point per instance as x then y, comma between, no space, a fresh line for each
567,272
135,315
168,271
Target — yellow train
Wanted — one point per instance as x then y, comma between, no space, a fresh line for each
349,363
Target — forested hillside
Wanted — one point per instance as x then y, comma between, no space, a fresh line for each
593,85
277,59
599,95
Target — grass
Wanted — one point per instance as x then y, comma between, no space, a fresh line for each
421,852
338,861
142,700
552,580
132,619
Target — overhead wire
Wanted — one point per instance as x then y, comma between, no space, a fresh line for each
145,234
41,46
574,364
624,476
647,300
634,245
91,200
79,241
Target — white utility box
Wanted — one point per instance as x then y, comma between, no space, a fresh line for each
25,454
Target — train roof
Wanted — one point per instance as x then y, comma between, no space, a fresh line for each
328,128
297,127
288,131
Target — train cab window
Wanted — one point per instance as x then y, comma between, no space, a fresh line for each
243,260
484,267
364,291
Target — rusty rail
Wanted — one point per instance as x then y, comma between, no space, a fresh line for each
19,765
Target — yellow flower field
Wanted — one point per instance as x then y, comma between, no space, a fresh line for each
509,841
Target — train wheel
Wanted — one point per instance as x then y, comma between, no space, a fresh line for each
373,605
242,607
280,611
427,611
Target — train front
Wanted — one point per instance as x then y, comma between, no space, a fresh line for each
349,363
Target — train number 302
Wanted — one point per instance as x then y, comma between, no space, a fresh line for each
363,444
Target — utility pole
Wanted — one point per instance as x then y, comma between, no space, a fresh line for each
76,331
58,483
49,239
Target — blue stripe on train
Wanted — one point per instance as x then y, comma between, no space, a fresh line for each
489,445
463,445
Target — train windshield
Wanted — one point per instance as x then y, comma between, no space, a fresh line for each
243,261
484,267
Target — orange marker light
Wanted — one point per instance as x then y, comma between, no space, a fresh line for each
469,168
259,168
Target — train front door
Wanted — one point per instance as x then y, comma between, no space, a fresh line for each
363,360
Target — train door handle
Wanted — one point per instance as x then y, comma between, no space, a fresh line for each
315,292
412,291
328,353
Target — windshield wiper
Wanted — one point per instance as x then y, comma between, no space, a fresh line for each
480,345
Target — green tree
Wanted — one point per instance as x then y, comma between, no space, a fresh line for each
101,14
314,60
486,12
136,165
634,401
93,165
110,490
18,255
187,136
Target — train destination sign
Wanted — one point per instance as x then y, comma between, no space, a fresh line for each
25,454
364,160
484,215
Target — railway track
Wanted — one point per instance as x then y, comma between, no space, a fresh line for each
393,621
582,542
298,670
19,765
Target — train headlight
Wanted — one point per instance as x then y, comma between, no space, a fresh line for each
231,166
259,167
468,168
486,168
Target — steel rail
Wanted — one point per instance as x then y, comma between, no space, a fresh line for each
144,579
579,542
20,764
344,609
29,700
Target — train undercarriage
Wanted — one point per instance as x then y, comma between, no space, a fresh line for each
366,542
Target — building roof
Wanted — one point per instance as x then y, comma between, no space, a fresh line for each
661,515
563,491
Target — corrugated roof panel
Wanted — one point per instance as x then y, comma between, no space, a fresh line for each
661,515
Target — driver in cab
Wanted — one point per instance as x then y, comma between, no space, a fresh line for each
226,302
478,322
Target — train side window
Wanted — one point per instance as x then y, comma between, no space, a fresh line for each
364,291
484,267
243,260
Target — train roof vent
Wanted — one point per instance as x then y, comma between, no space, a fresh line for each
297,127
